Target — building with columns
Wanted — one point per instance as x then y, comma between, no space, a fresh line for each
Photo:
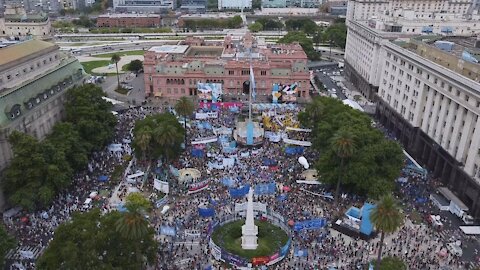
34,77
174,71
429,98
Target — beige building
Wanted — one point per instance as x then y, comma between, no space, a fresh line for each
25,25
34,76
429,97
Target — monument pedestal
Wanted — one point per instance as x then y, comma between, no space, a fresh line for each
249,230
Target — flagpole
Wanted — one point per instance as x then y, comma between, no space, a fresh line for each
250,90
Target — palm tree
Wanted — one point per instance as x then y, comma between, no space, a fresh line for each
315,110
115,59
387,218
168,136
184,107
343,144
143,139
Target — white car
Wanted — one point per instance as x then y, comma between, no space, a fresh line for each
455,249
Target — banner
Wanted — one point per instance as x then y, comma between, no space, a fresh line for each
167,230
257,206
313,224
233,259
265,189
222,131
196,187
297,142
206,115
205,140
223,105
206,212
300,252
209,91
161,202
216,251
197,153
293,150
299,129
228,182
256,261
239,192
161,186
284,249
272,136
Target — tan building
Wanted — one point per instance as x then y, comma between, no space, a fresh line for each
34,77
18,25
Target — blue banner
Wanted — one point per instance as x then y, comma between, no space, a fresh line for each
269,162
284,249
206,212
228,182
313,224
161,202
239,192
301,252
265,189
233,259
293,150
167,230
197,153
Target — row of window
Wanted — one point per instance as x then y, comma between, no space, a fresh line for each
27,69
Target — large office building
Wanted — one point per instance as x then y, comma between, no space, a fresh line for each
34,77
234,4
147,6
429,97
128,20
419,62
366,9
365,38
23,26
175,71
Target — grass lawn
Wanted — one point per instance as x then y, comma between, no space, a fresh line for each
89,66
270,238
122,53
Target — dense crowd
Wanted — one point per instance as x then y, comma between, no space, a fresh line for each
417,245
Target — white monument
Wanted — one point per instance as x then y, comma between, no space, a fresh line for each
249,230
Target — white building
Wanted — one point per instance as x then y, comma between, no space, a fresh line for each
149,6
365,37
234,4
365,9
429,97
25,25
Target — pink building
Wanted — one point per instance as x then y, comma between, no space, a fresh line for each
173,71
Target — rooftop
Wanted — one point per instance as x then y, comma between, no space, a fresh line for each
128,15
26,18
23,49
169,49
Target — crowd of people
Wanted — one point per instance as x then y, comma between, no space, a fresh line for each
188,246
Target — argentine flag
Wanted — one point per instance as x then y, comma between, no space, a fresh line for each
252,83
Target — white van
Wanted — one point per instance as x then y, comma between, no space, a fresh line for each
165,209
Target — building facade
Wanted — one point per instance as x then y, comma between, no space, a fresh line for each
365,9
429,97
174,71
38,26
147,6
365,38
129,20
234,4
34,77
194,6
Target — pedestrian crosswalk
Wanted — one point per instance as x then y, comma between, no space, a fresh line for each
24,253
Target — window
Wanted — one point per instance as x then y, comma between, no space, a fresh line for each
231,72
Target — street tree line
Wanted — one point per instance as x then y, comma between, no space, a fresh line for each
92,240
356,156
39,170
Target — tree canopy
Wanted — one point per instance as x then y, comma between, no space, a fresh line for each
305,42
40,170
234,22
90,241
392,263
7,242
307,26
135,66
157,136
376,162
337,34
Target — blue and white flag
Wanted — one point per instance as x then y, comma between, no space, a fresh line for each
252,83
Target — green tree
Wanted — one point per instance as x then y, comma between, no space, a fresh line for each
387,218
392,263
255,27
269,24
36,173
304,41
65,137
135,66
7,242
115,59
184,107
168,145
307,26
90,241
143,138
343,144
91,115
337,34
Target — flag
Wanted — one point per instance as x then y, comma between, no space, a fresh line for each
252,83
